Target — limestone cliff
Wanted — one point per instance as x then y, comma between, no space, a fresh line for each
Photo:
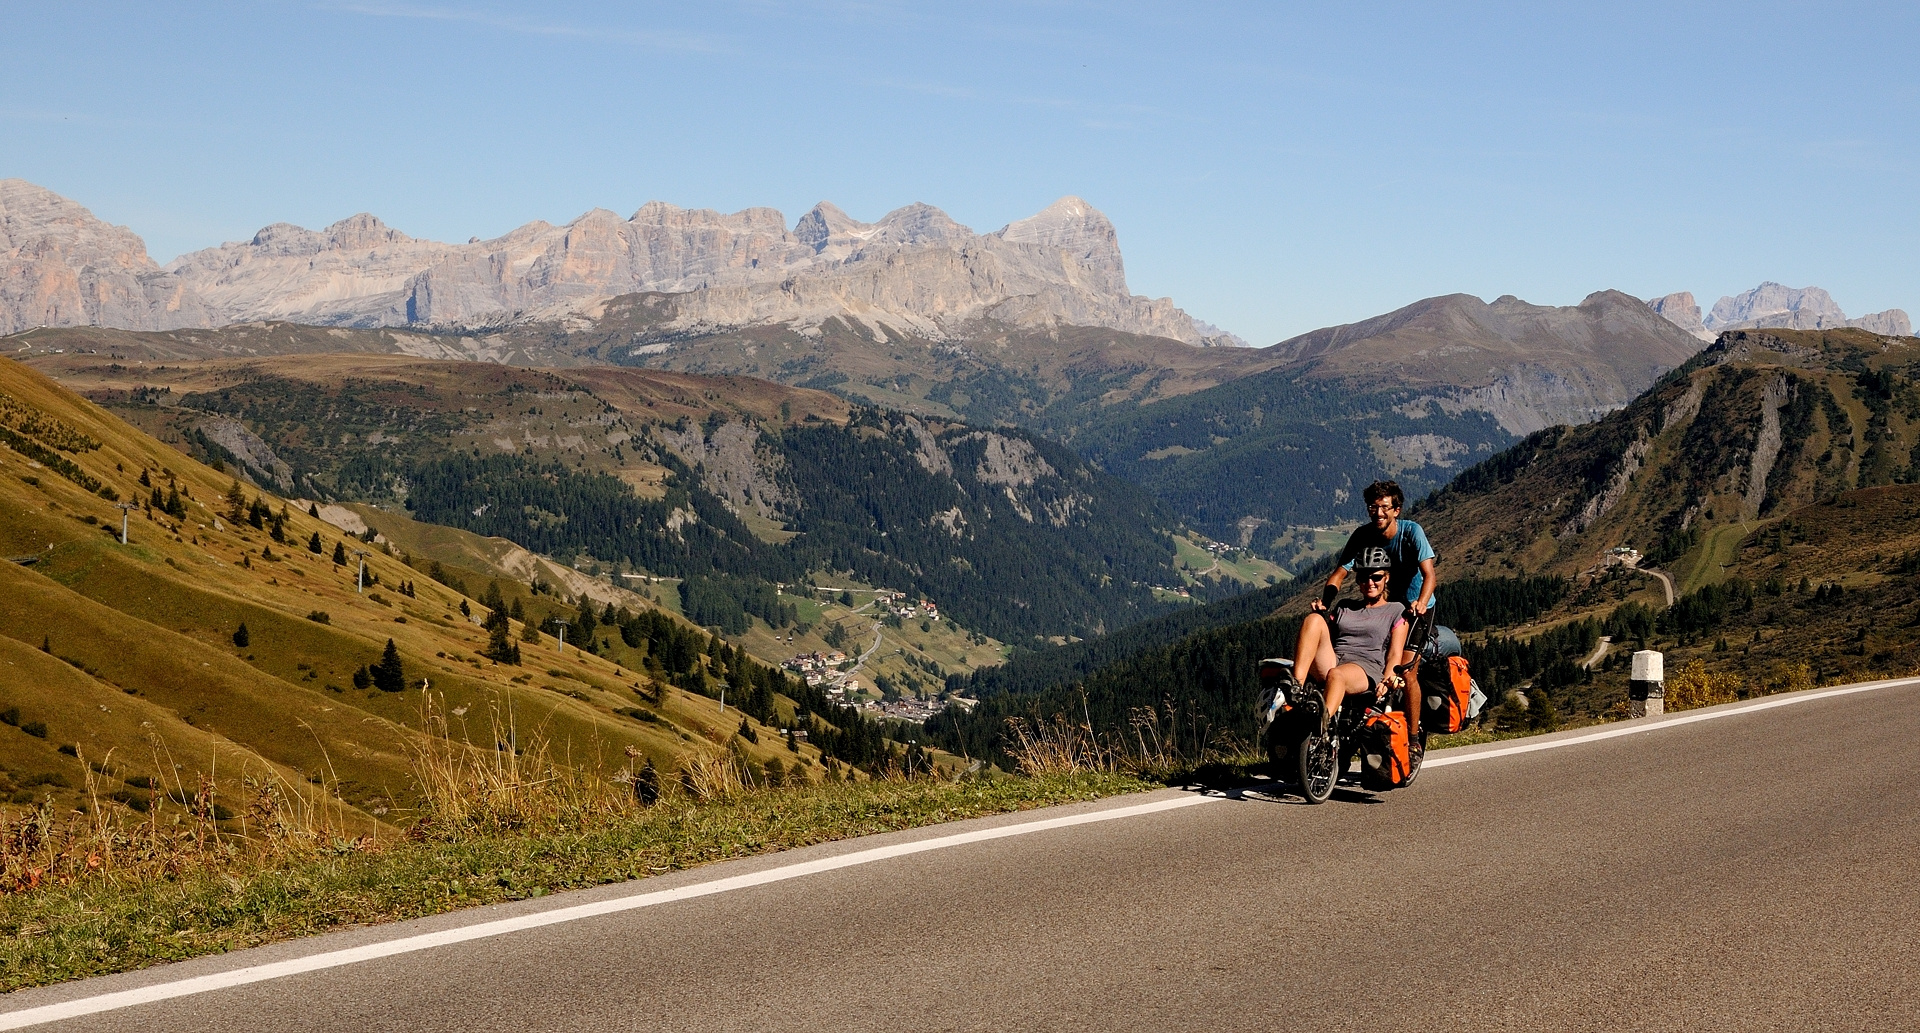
916,268
1775,305
61,266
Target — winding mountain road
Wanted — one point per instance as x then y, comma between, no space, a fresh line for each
1666,581
1712,870
1599,653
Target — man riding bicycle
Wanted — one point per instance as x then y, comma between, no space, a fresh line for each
1348,652
1411,578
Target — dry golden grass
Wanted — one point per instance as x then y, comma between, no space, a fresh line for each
1157,743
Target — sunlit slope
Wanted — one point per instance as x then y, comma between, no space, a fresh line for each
1762,423
148,630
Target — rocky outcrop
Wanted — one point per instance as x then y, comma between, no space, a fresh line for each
733,464
1682,311
1795,308
1892,323
60,266
1773,304
258,457
1766,445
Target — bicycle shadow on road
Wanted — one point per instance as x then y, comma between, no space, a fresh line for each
1256,786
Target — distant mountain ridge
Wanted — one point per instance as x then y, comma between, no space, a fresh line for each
1245,444
914,269
1775,305
1417,394
1529,366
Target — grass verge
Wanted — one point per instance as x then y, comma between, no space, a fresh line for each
99,926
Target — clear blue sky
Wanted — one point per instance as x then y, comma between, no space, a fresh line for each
1272,167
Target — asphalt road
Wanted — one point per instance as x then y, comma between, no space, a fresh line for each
1754,872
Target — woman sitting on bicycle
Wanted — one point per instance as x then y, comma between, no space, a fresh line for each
1347,651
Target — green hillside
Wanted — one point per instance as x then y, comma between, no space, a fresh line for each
1252,459
126,670
736,483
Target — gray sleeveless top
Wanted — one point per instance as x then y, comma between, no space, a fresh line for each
1361,634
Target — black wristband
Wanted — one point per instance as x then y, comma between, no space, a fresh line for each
1328,594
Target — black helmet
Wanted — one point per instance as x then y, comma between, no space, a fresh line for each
1370,559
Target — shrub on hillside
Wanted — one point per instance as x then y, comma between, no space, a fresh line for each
1694,686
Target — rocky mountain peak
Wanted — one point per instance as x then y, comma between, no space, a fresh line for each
921,224
1079,229
1062,266
822,223
1774,305
61,266
33,217
363,231
1069,223
826,228
1682,311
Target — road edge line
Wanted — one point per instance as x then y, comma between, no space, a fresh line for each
155,992
1673,721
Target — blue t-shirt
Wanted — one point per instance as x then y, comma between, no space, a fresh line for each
1405,551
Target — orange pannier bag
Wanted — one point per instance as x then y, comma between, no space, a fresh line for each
1385,761
1448,701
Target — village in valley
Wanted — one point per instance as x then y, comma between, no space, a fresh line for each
840,674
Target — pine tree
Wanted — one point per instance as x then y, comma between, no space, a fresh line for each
500,647
314,546
240,637
339,554
747,732
280,528
390,675
313,510
362,678
585,625
236,503
465,610
793,742
145,481
515,612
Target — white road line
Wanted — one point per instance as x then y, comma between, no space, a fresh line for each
1616,731
501,927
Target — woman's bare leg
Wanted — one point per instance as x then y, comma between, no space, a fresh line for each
1313,650
1342,680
